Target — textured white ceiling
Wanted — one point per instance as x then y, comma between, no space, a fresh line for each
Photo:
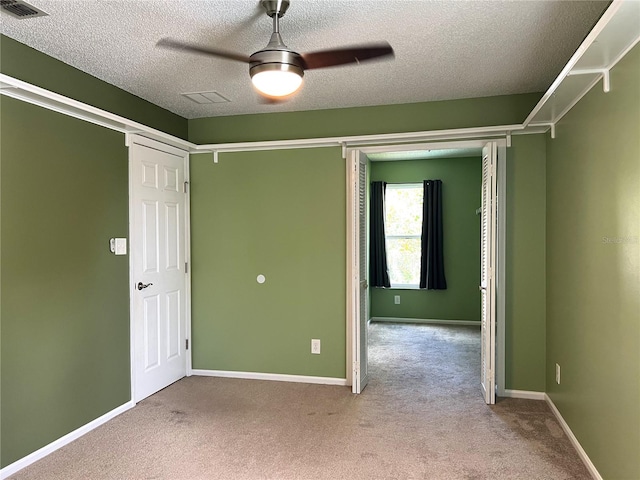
444,49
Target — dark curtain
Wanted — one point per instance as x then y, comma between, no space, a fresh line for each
378,252
432,258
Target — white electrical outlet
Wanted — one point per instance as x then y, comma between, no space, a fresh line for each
396,299
557,374
315,346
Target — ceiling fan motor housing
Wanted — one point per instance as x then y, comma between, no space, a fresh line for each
276,59
276,55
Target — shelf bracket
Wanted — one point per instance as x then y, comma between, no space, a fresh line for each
553,130
215,156
604,72
606,81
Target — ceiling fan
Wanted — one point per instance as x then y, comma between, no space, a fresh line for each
276,71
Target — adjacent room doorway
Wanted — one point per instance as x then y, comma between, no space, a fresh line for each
492,259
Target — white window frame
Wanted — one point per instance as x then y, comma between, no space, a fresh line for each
417,185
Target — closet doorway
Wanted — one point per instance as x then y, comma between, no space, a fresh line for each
492,211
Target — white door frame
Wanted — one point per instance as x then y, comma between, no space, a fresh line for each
130,139
499,210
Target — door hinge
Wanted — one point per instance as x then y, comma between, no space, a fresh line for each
186,267
186,187
187,346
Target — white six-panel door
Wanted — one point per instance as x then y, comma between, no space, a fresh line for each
158,269
488,272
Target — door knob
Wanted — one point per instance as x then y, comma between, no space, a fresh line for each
143,285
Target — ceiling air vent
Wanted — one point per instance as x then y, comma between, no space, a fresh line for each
206,97
20,9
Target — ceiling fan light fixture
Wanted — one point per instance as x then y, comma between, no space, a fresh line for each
276,71
276,79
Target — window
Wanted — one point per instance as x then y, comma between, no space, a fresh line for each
403,231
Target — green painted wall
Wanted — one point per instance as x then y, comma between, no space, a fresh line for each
213,314
65,300
525,264
26,64
281,214
593,271
82,307
462,179
411,117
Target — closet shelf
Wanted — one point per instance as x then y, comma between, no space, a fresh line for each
615,34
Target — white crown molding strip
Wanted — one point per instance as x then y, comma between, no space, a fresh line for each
277,377
524,394
433,321
574,441
18,465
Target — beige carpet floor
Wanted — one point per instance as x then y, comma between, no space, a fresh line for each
421,417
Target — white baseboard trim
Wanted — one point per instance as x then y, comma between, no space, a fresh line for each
434,321
278,377
574,441
526,394
62,441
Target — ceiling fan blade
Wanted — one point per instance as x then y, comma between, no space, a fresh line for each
193,48
344,56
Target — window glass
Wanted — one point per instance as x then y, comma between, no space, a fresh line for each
403,228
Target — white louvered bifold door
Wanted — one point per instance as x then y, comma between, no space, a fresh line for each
362,268
361,334
487,275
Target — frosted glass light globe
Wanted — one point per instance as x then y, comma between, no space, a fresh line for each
277,83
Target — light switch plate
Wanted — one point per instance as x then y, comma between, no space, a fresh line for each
121,246
118,246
